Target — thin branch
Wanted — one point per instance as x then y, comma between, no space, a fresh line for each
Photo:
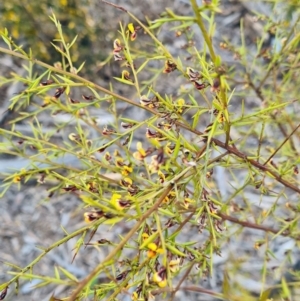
115,6
282,144
177,288
273,116
204,31
197,289
249,224
237,153
47,250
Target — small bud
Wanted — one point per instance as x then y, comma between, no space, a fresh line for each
59,92
169,66
202,221
117,46
126,75
150,134
218,226
88,97
121,276
126,140
273,164
200,86
118,57
126,125
47,82
93,215
258,244
209,174
3,293
106,131
41,179
73,137
193,74
216,85
103,241
102,149
74,101
223,45
145,101
296,170
160,277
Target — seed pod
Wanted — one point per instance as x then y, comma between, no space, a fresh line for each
122,276
59,92
88,97
125,125
3,293
47,82
169,66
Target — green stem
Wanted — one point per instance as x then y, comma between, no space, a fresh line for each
206,37
46,251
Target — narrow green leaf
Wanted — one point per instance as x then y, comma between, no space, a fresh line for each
149,240
72,43
124,81
174,250
68,274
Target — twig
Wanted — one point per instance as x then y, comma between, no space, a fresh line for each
237,153
259,94
177,288
198,289
248,224
115,6
281,145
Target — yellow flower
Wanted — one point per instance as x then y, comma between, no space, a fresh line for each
141,153
169,148
107,156
132,32
174,265
126,169
162,283
145,236
93,215
126,182
160,278
153,250
162,177
187,202
117,46
170,196
154,165
180,105
118,203
134,296
156,278
16,179
116,153
126,75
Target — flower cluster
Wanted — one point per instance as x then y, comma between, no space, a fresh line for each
194,77
210,211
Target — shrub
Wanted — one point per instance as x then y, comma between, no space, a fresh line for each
195,142
28,22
